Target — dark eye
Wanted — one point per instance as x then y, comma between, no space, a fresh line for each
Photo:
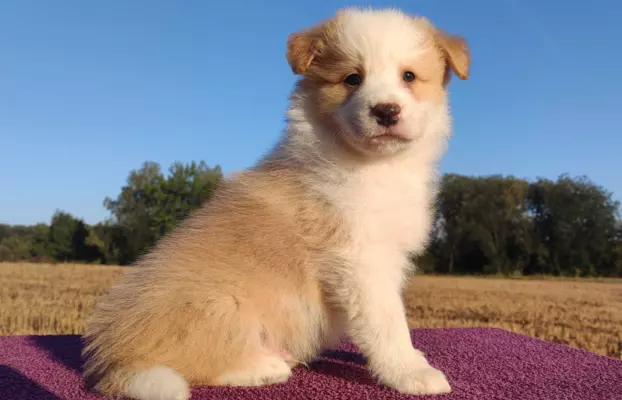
408,76
354,79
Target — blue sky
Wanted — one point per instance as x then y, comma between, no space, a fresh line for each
91,90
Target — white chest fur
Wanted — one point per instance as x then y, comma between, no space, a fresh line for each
387,207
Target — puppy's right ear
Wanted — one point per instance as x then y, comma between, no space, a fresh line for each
303,46
454,48
456,52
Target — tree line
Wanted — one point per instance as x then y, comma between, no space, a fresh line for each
483,225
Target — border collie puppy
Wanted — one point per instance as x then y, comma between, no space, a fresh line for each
312,242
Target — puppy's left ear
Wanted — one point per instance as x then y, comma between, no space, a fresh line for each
301,49
456,52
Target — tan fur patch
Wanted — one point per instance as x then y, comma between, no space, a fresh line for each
457,53
193,303
454,48
429,70
305,46
323,80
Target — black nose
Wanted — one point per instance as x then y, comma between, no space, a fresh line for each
386,114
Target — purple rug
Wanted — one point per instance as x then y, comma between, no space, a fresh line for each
480,363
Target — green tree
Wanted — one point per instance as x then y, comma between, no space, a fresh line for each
449,217
67,237
502,229
39,242
484,228
14,248
576,223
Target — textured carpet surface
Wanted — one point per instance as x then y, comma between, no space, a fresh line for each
480,364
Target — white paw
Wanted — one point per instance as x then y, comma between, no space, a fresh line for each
418,378
266,371
422,381
158,383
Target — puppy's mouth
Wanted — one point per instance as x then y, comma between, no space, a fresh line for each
389,137
381,135
376,138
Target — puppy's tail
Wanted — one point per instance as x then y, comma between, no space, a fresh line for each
155,383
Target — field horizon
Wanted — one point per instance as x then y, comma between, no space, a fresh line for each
45,299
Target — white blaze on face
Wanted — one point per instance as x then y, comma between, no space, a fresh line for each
386,44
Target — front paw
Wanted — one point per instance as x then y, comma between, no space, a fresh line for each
422,379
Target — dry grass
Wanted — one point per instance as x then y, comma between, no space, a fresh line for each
56,299
582,314
50,299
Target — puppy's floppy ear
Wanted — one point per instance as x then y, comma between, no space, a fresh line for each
456,52
454,48
303,46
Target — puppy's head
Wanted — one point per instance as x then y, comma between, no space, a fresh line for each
376,79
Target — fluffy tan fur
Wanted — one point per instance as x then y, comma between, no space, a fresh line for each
238,277
288,255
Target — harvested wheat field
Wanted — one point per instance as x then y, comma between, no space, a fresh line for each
56,299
